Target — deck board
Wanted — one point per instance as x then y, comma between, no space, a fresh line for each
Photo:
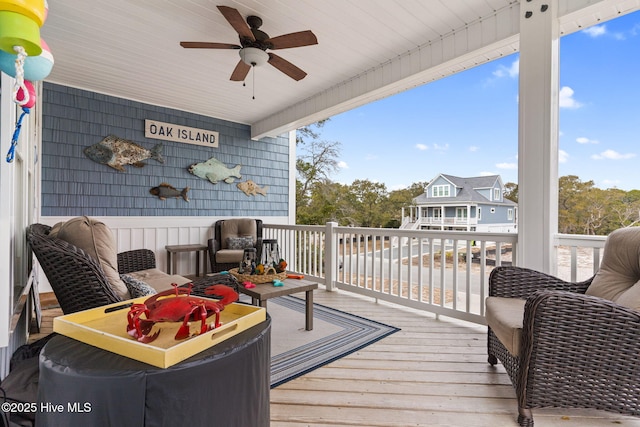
434,372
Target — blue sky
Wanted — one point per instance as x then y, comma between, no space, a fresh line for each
466,124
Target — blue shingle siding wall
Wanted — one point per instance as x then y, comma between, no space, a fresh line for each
72,184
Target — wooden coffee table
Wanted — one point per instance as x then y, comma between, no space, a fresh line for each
262,292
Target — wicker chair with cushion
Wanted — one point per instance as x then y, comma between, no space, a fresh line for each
570,345
81,280
230,238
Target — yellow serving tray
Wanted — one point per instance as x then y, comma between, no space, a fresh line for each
108,330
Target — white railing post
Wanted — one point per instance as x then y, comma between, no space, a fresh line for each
330,251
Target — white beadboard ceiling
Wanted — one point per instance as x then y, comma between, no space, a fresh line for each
367,50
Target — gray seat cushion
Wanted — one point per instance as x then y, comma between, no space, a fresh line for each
505,316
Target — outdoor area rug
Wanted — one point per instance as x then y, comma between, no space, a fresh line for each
335,334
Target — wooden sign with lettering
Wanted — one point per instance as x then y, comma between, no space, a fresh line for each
177,133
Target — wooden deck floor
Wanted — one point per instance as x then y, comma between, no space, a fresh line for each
431,373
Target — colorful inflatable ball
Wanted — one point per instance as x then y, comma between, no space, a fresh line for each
35,67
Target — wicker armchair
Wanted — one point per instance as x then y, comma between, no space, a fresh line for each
77,280
221,256
572,350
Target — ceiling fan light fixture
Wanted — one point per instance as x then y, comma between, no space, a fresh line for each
254,56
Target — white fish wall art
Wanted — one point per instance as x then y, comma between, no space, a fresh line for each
215,171
117,152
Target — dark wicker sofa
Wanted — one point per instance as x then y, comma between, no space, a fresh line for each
80,283
77,279
574,350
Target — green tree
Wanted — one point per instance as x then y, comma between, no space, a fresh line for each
369,198
624,209
571,203
315,162
398,199
511,191
323,204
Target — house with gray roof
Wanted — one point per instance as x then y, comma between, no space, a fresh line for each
463,204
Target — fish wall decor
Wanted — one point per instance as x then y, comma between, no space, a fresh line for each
165,191
215,171
117,152
250,188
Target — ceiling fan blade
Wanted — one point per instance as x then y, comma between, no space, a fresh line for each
208,45
286,67
240,72
301,38
237,21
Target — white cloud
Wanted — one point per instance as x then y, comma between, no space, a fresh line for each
511,71
612,155
595,31
421,147
439,147
584,140
473,148
343,165
563,156
566,98
506,165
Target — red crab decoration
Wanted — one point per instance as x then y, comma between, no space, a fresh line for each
181,307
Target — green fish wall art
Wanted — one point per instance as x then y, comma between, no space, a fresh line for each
215,171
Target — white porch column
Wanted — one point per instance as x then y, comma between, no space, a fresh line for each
538,135
330,252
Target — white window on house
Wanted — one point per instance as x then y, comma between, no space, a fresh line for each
440,191
437,213
493,210
496,194
479,213
461,213
510,214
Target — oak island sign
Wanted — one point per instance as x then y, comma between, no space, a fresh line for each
177,133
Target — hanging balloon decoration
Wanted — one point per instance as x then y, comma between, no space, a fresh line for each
23,54
35,67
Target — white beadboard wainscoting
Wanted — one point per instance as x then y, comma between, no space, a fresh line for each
155,233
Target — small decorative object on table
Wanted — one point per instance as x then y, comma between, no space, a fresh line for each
248,263
270,268
257,279
270,253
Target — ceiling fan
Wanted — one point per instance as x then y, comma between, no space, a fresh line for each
254,43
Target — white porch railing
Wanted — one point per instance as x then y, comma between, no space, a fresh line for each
404,266
447,221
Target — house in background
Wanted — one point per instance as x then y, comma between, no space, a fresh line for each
464,204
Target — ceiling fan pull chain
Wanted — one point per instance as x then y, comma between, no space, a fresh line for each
254,82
